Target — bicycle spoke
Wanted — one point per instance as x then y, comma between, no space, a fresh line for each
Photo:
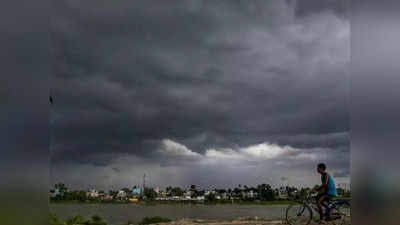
298,214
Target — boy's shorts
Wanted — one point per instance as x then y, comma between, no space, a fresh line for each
326,196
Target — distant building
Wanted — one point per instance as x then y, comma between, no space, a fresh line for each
157,190
136,192
92,193
107,197
121,194
187,194
200,197
101,195
282,193
54,193
224,195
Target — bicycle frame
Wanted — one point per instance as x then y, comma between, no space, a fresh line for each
333,208
312,205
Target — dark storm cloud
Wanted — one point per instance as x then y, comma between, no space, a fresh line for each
342,174
24,133
203,74
284,178
305,7
116,170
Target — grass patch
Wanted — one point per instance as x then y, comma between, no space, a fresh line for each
76,220
155,219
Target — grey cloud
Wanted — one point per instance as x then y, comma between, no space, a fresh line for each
341,174
205,74
117,170
305,7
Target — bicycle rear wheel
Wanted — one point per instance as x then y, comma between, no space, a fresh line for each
340,216
345,210
298,214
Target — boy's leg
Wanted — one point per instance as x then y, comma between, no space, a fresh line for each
319,204
325,204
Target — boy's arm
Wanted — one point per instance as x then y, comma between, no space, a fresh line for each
325,183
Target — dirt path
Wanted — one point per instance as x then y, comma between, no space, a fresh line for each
240,221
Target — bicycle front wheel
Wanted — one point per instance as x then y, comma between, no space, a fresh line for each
298,214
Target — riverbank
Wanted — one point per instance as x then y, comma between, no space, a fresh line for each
239,221
118,214
187,202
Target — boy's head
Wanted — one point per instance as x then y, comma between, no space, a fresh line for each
321,168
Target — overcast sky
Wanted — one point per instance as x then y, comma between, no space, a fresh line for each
211,93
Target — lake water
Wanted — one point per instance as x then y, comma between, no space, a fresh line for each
116,214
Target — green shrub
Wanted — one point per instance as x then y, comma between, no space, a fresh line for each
54,220
96,220
156,219
75,220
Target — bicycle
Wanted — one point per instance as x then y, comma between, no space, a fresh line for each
336,211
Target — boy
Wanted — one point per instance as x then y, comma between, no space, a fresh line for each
327,189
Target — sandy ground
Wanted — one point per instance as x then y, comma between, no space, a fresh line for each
239,221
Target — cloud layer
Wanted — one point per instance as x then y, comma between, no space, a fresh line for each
183,84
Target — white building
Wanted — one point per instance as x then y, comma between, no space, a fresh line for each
188,194
92,193
224,195
282,193
121,194
200,197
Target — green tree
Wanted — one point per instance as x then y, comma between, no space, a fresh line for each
113,193
177,191
267,193
237,191
221,191
126,190
304,192
291,191
61,187
193,191
150,193
210,197
168,190
201,192
81,196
